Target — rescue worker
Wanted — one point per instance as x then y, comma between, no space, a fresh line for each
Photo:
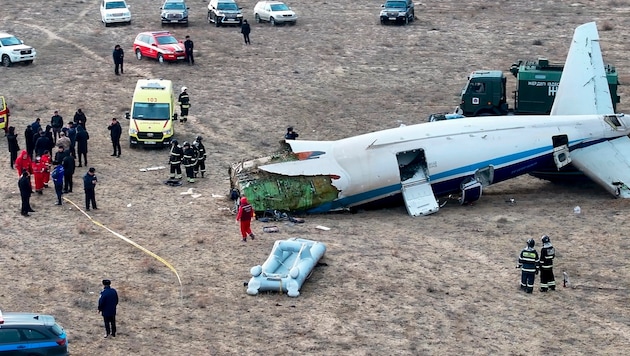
38,168
528,262
547,253
23,162
200,168
245,214
190,160
175,160
47,161
184,104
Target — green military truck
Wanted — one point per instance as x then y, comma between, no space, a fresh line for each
536,86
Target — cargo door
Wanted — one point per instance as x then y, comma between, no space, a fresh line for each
561,151
416,188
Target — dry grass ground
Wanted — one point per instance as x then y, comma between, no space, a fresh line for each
444,284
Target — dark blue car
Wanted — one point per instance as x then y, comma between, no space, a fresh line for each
31,334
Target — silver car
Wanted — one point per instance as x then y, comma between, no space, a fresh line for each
175,12
274,12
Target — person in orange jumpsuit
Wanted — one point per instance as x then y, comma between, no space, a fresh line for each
245,214
38,172
47,161
23,162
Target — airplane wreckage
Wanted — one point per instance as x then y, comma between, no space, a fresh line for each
430,160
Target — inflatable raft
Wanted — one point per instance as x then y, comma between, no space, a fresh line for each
291,261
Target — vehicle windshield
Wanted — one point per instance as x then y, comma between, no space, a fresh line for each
10,41
396,4
227,6
151,111
115,5
164,40
279,7
174,6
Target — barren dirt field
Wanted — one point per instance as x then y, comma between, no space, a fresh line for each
445,284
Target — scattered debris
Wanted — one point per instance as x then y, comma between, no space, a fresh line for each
320,227
188,192
271,229
195,196
151,168
129,205
173,182
218,195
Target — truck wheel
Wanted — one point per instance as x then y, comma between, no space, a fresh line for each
138,54
257,18
6,61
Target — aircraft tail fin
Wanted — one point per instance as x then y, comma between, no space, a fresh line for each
583,87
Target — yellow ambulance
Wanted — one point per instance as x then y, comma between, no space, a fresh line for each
4,115
152,115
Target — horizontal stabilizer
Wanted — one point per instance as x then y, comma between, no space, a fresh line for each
607,164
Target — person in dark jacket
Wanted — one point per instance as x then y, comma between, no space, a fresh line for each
119,56
190,161
79,118
36,125
115,131
72,135
245,214
190,49
184,104
30,143
51,138
59,155
528,261
291,135
42,144
107,303
245,30
24,183
57,177
175,160
12,144
56,122
200,167
68,171
89,183
82,144
547,254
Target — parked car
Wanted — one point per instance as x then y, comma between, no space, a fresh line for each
115,11
175,12
400,11
274,12
224,12
13,50
31,334
160,45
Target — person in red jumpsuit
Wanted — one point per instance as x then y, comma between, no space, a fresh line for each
38,173
23,162
245,214
47,161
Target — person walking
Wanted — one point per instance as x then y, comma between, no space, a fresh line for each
245,30
528,262
175,160
547,254
184,104
57,177
119,56
107,303
115,131
56,122
89,183
24,183
245,215
79,118
68,171
290,135
190,47
82,144
200,167
189,160
12,144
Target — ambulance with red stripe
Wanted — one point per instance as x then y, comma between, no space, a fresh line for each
4,115
152,116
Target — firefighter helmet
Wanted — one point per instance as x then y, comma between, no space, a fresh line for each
545,239
174,142
184,89
198,138
186,143
531,243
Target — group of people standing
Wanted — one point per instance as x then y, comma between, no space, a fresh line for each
531,263
193,157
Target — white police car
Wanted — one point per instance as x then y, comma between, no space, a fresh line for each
31,334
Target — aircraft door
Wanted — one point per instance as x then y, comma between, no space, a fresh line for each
414,178
561,155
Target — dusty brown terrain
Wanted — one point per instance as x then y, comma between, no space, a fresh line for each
440,285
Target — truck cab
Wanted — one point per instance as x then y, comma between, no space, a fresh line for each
152,113
484,94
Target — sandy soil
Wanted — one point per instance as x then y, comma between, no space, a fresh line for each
444,284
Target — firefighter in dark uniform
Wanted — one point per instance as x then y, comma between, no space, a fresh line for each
547,253
175,160
184,104
528,261
200,168
190,160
